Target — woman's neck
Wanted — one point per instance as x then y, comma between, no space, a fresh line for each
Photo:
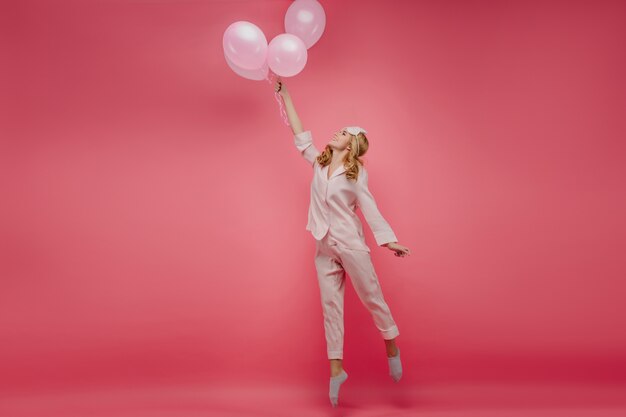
338,157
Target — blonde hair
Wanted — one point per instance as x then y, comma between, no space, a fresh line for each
352,161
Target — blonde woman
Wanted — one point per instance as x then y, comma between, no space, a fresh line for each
340,186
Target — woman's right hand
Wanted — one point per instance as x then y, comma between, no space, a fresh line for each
281,88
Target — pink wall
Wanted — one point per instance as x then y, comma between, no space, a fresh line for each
154,207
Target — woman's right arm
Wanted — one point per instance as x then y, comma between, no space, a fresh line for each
294,120
302,138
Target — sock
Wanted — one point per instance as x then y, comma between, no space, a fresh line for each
335,384
395,367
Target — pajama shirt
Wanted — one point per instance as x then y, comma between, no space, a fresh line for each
340,245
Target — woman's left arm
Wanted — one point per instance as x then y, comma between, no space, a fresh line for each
383,233
381,229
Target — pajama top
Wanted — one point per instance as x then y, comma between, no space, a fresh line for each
334,202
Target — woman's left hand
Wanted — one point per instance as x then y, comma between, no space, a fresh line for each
399,249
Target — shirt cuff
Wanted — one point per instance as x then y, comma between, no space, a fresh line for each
385,237
303,140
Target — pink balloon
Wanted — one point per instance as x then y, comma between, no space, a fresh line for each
306,19
286,54
245,45
251,74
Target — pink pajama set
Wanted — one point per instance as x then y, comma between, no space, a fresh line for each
341,248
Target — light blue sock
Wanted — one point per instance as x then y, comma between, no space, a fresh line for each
395,366
335,384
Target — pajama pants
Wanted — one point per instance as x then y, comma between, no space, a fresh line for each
332,263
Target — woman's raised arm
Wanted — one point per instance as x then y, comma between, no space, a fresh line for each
294,120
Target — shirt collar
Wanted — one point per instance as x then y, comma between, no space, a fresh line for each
335,173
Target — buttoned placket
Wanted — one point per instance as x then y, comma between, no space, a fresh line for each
327,181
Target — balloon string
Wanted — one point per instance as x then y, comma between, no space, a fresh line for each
281,108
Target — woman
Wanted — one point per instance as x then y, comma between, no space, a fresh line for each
338,187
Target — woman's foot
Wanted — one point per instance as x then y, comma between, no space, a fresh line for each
395,366
335,384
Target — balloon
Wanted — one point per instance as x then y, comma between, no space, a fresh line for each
286,54
245,45
251,74
306,19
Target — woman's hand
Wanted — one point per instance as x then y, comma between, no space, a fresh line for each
281,88
399,249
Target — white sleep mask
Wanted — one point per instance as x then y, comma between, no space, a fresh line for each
355,130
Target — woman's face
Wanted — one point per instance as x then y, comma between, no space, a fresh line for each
340,140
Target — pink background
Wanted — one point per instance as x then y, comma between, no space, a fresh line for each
154,205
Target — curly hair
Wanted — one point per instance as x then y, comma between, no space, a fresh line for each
352,161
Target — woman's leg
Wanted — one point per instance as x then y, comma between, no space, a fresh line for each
358,265
331,278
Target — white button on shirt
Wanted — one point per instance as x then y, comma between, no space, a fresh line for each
334,201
